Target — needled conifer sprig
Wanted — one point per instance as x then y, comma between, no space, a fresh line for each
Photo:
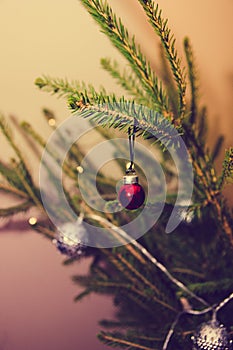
18,173
120,38
7,132
116,339
16,209
193,79
122,114
168,41
127,80
64,88
107,110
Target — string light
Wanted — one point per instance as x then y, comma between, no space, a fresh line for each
187,309
80,169
32,221
51,122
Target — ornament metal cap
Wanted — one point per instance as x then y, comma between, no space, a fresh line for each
130,179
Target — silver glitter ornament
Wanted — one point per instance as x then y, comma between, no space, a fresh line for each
211,336
69,238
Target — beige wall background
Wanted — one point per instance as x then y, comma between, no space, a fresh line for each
60,39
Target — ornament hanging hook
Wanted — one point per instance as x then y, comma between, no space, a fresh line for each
131,136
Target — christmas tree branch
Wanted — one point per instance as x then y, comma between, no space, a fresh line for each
63,88
167,78
125,267
8,189
36,137
13,180
150,257
118,340
119,36
31,191
168,42
122,114
126,80
217,148
207,180
202,126
20,208
8,134
192,71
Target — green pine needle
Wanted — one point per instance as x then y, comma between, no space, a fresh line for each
21,208
202,125
128,81
122,114
193,79
217,147
167,39
8,189
11,177
120,38
119,340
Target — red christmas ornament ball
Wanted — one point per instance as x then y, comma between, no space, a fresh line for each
131,195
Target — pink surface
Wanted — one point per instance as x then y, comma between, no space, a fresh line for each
37,311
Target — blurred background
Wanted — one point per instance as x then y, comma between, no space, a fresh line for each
58,38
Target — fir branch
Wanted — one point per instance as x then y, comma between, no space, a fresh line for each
20,208
119,266
212,287
140,302
202,126
130,83
119,324
117,113
167,39
121,114
127,269
131,268
117,339
120,38
12,190
64,88
31,190
187,271
192,71
148,255
207,181
217,148
11,176
8,134
99,285
45,230
36,137
82,295
167,78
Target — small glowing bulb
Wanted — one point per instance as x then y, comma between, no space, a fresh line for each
32,221
80,169
52,122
